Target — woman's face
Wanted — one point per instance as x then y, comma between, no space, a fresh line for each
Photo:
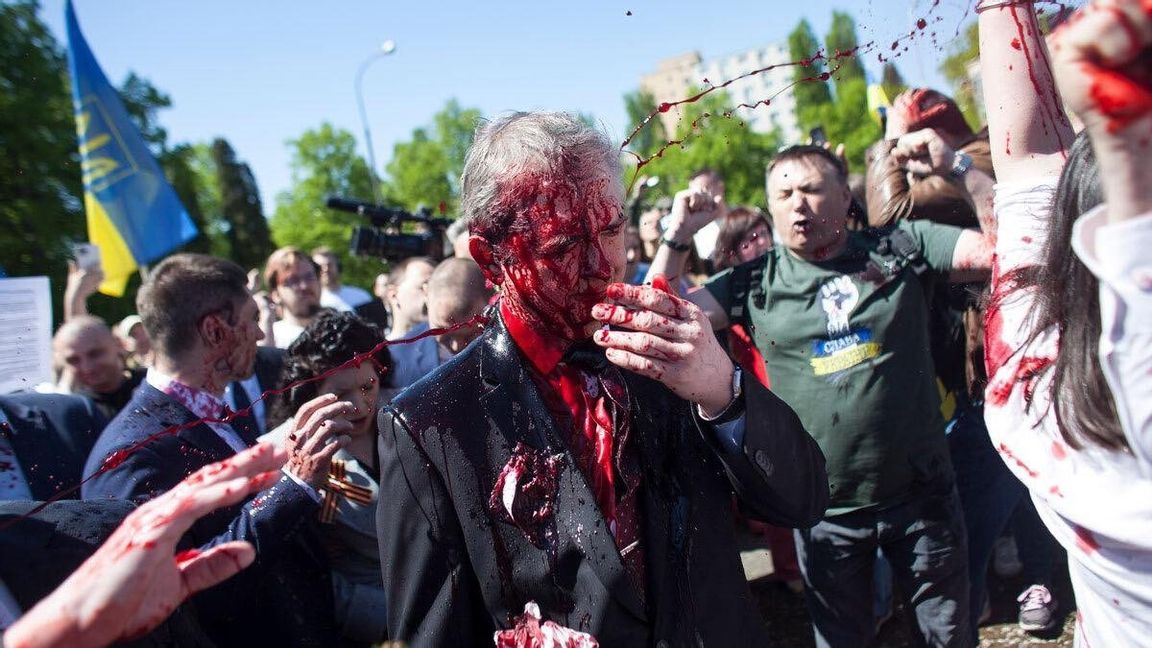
359,386
755,243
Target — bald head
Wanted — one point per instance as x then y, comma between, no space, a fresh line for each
87,347
457,292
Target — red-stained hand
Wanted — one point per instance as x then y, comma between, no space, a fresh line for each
135,579
1103,68
670,340
320,430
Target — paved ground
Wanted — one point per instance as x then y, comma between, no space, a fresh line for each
788,623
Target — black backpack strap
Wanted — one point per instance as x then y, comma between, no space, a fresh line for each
747,282
898,249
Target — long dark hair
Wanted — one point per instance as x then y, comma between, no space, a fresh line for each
330,340
1068,301
736,224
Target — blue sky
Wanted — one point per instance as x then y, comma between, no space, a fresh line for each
260,72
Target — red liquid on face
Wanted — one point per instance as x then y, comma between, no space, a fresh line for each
1016,460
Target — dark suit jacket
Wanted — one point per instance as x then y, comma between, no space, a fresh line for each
376,312
413,361
52,435
454,571
269,363
39,549
285,598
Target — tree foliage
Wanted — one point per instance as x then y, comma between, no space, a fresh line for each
955,69
324,164
840,40
810,90
425,170
892,81
639,104
249,239
723,142
846,121
41,210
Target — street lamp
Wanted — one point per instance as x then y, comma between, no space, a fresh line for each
386,48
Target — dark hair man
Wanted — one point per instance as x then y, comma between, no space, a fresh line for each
335,294
457,292
294,286
840,319
203,325
559,465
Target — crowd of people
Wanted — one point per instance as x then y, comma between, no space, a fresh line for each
556,432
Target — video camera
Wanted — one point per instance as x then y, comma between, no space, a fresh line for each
383,238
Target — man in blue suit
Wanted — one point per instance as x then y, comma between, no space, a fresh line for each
457,292
204,328
44,440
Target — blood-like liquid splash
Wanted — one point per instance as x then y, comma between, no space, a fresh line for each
529,631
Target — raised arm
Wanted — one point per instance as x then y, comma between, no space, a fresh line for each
1028,129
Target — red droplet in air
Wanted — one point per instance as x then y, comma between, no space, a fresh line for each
895,44
921,24
1118,97
824,76
1015,43
443,207
664,107
627,13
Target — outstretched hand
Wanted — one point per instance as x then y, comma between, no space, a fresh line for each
136,579
670,340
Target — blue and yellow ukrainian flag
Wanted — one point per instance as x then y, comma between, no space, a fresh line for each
134,215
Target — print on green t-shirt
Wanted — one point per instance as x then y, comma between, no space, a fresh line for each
846,345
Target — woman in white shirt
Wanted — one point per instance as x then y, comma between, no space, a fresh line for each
1069,329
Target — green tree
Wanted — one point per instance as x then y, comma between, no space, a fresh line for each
247,231
425,170
723,142
324,164
892,81
846,121
963,53
177,165
42,208
840,40
810,90
639,104
208,196
143,101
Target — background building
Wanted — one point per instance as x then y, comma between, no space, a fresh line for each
676,77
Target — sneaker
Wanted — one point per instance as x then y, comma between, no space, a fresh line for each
1005,560
1037,609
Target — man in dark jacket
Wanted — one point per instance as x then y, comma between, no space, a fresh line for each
555,462
203,325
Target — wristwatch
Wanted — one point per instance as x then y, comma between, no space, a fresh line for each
961,162
735,407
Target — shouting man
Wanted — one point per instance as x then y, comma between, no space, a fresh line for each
571,469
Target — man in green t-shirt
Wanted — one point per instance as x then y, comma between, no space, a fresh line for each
841,320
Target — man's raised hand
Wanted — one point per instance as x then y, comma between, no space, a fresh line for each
669,340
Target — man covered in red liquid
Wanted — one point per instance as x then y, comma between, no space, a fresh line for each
556,461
